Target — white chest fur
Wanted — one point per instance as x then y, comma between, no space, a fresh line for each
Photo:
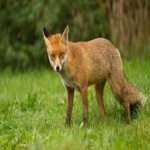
68,79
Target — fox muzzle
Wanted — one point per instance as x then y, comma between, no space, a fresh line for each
57,68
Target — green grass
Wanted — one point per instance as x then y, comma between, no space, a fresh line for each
33,106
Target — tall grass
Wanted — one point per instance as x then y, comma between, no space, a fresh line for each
32,114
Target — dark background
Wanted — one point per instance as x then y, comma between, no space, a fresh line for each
125,22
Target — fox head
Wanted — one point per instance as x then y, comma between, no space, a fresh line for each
56,48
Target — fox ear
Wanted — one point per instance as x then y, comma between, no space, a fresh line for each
46,34
65,35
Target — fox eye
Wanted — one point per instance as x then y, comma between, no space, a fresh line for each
61,54
52,56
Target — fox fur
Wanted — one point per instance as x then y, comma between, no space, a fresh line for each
81,64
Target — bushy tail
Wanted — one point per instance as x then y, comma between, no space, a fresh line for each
125,92
134,95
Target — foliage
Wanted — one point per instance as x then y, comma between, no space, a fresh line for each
21,22
22,44
32,114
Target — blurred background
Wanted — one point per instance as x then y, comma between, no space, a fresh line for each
125,22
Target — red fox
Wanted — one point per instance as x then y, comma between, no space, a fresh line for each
81,64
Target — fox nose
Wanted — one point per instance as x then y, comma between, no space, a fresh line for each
57,68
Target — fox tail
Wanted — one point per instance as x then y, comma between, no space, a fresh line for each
135,96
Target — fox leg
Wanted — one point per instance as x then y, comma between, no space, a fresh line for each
70,97
127,111
84,91
99,88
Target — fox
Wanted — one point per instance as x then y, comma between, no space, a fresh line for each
85,63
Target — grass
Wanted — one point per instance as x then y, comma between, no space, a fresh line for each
32,114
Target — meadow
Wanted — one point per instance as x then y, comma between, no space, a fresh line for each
33,106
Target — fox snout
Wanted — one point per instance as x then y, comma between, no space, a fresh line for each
57,68
57,61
